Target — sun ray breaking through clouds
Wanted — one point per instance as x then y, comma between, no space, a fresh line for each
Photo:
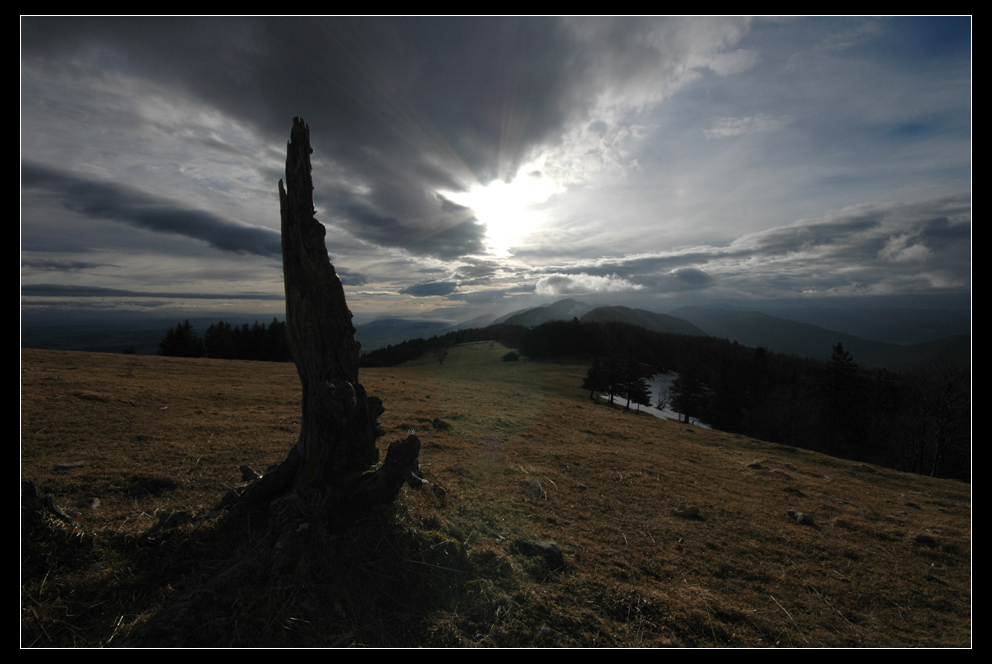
464,164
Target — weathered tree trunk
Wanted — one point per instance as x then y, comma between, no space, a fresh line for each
338,427
336,449
330,473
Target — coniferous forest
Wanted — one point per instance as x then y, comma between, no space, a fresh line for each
260,342
916,421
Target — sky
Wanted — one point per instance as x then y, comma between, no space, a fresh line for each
469,166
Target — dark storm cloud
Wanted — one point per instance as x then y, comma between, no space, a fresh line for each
467,237
430,288
408,106
61,266
404,107
693,277
65,290
662,140
444,229
107,200
476,272
449,241
350,278
943,232
76,304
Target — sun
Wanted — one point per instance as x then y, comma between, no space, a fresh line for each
508,208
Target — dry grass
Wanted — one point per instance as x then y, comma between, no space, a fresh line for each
526,455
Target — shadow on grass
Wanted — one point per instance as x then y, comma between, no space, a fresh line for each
386,582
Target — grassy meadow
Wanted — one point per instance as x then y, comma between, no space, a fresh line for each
521,452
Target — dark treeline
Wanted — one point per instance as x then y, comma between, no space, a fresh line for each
261,342
390,356
917,421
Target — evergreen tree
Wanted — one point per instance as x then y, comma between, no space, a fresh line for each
219,341
730,399
939,431
181,341
635,386
688,395
844,406
639,392
596,379
615,377
277,342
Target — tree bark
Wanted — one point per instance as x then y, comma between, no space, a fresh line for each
338,425
336,450
330,474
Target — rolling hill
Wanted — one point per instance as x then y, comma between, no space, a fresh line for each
786,336
672,535
642,318
560,310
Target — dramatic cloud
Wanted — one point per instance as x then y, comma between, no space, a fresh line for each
103,200
582,284
476,272
430,288
405,107
350,278
876,249
49,265
64,290
492,161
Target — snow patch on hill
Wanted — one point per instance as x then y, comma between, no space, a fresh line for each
661,387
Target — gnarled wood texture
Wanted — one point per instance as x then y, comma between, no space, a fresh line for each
336,446
338,430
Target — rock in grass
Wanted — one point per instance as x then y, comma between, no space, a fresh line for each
249,474
690,512
141,484
799,517
547,548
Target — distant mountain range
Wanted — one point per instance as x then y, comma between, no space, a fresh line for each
642,318
786,336
391,331
560,310
932,333
748,328
894,325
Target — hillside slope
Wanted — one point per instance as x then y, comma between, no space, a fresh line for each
642,318
561,310
785,336
522,453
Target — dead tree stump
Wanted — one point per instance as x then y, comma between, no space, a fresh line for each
332,473
334,461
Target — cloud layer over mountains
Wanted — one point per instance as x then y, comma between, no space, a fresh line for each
461,162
